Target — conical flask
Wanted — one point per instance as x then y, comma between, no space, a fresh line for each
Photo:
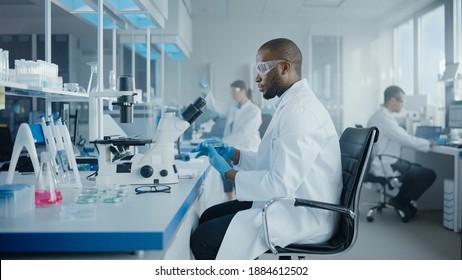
93,81
46,185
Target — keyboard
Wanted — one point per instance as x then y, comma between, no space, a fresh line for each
454,144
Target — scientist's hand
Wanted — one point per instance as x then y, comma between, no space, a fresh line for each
201,150
439,142
202,147
222,149
218,162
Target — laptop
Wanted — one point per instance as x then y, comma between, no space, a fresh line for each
431,133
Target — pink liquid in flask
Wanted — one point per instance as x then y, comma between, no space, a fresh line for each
42,198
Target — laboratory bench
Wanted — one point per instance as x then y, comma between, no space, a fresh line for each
148,225
446,161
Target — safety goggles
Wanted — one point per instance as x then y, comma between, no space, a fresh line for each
264,67
152,189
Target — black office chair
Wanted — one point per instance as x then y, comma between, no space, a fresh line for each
356,147
387,186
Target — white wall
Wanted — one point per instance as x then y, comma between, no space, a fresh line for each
231,45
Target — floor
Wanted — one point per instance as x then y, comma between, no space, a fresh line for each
387,238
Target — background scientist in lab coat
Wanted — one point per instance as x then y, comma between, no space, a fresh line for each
243,121
243,118
299,156
414,178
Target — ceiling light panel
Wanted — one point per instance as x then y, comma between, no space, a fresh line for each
79,6
323,3
123,5
141,21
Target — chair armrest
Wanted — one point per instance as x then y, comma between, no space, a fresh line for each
325,206
298,202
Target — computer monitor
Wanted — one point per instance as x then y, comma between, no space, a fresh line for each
431,133
6,143
455,115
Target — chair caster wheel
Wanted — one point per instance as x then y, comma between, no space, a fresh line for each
404,220
370,219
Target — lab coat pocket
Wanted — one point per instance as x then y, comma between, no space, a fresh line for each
274,149
274,144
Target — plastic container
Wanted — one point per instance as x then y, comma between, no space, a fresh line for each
16,199
448,204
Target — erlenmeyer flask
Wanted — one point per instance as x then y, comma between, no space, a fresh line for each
46,186
92,82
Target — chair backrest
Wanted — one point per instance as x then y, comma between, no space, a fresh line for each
356,146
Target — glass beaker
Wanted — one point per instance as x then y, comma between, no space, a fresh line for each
112,81
46,185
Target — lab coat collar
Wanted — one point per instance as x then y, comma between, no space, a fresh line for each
385,109
296,87
239,106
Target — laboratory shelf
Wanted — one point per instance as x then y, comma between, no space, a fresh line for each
17,89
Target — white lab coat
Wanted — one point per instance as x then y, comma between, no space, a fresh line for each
392,138
299,156
242,123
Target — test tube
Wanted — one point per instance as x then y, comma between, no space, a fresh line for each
1,65
6,65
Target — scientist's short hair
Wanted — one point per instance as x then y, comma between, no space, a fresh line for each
390,92
285,49
239,84
242,85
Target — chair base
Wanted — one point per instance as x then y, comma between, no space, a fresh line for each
380,206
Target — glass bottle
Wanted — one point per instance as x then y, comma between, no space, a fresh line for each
46,185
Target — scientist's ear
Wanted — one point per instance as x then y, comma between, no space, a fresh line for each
285,66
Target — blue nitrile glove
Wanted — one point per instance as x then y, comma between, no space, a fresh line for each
441,141
202,147
222,149
201,150
218,162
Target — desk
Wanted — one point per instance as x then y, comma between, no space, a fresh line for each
149,222
447,163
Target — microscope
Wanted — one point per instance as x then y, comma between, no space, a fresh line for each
116,166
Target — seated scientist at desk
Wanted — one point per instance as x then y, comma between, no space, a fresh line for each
415,180
299,156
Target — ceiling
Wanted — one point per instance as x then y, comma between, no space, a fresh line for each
322,9
325,9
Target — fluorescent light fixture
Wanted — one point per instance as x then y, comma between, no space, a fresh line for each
93,19
172,51
74,5
124,5
140,21
322,3
177,56
141,50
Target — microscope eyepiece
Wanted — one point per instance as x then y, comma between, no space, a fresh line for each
194,110
199,103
